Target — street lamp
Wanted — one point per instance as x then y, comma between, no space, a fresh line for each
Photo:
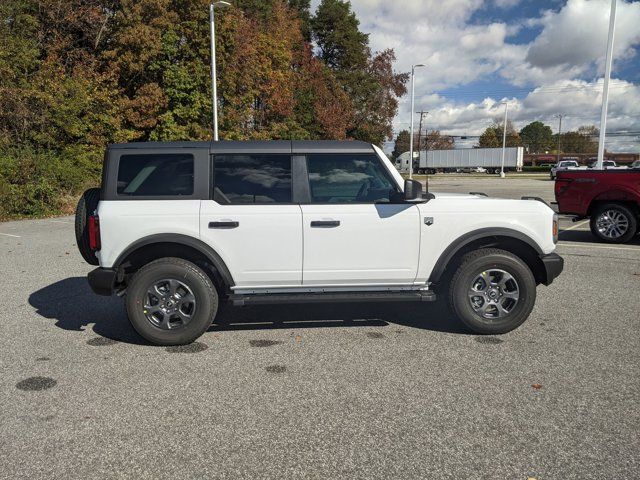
504,139
214,89
605,86
413,68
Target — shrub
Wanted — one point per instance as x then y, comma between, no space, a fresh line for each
40,183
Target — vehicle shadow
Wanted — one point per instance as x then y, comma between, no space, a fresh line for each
73,306
429,316
585,236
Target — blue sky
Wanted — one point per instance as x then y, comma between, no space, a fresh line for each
542,57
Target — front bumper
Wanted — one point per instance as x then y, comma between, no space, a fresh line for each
553,265
102,280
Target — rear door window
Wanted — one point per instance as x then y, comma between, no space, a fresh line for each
252,179
152,175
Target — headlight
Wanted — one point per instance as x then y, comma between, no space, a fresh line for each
554,229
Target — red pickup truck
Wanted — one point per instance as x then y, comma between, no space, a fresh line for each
610,198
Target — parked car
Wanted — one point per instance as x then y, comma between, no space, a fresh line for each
605,164
472,170
179,227
609,198
635,164
563,165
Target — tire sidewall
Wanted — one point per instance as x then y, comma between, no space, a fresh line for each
205,294
462,305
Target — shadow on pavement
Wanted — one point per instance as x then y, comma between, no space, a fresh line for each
585,236
72,304
428,316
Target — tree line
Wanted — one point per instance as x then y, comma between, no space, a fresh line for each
536,137
79,74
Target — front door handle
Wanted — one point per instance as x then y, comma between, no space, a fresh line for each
224,224
325,223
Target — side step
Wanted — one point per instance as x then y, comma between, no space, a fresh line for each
332,297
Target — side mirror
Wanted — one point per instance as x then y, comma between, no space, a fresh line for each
412,190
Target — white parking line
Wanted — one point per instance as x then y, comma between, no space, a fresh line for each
581,245
579,224
9,235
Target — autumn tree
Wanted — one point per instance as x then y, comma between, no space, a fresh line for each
401,144
537,136
492,136
79,74
368,79
583,140
434,140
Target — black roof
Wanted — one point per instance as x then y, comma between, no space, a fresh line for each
259,146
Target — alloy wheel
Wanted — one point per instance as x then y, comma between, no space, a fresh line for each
612,224
494,293
169,304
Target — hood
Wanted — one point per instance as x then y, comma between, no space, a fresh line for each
454,195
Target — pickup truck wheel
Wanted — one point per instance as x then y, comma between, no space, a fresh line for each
613,223
86,207
171,301
492,291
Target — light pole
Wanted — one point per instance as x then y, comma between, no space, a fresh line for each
504,140
605,86
413,68
559,116
214,88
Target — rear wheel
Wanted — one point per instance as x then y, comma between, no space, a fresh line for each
86,207
492,291
171,301
613,223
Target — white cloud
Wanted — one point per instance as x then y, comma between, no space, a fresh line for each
554,73
579,101
577,35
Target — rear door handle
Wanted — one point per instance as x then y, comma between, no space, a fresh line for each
325,223
224,224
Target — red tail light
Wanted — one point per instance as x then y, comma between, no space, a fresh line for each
94,232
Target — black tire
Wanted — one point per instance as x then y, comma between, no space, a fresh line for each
86,206
473,265
186,273
624,212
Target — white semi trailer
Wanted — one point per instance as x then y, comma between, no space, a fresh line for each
464,159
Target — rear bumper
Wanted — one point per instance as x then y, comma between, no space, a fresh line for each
102,281
553,265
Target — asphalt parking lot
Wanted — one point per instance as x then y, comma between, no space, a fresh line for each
332,391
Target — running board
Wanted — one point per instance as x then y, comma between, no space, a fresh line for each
332,297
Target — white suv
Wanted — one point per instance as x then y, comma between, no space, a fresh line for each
178,227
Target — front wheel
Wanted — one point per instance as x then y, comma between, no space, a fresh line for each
492,291
171,301
613,223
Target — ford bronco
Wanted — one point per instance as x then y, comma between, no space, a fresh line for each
178,227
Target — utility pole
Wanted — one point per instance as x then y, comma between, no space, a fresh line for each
504,140
422,114
559,117
605,87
